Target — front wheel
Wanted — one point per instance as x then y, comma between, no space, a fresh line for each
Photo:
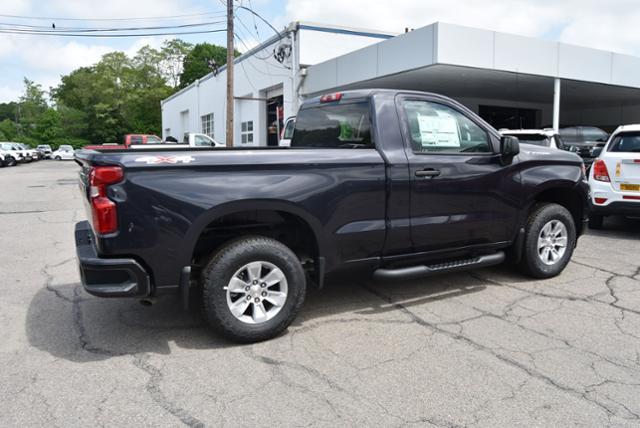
58,158
11,161
550,238
253,289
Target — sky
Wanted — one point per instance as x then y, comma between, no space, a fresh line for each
610,25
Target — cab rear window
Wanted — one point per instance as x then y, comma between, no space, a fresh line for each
334,126
627,142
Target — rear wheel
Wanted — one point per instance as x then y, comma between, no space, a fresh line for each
550,238
595,221
253,288
58,158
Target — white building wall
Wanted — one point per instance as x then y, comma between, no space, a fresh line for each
254,75
258,75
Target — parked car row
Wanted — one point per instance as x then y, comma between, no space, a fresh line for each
612,164
12,154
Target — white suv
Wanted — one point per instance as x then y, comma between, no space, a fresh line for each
539,137
615,176
16,152
7,158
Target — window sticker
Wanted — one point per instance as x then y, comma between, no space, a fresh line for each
438,131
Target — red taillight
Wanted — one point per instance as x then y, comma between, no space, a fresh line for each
329,98
600,172
105,215
600,201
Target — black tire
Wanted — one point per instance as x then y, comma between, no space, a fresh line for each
595,221
532,263
223,265
11,162
58,158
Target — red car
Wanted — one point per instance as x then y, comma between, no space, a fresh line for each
129,140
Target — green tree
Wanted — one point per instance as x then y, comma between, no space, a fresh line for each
9,129
196,62
8,110
49,127
172,56
32,105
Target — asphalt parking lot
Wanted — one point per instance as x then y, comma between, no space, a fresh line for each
483,348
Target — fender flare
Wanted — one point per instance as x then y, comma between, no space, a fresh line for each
190,240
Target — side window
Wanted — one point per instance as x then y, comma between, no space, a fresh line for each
136,139
559,142
201,141
594,134
569,134
436,128
288,129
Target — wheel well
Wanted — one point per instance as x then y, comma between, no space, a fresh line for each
290,229
569,199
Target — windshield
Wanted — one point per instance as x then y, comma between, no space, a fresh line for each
535,139
333,126
66,148
627,143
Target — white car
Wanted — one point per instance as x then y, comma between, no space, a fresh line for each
287,132
18,154
7,158
35,155
615,176
539,137
64,152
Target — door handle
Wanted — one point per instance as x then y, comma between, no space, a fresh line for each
428,173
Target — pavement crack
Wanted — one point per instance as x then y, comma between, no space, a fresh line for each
532,372
141,361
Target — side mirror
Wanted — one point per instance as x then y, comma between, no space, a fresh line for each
596,152
509,147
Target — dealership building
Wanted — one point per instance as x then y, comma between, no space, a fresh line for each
511,81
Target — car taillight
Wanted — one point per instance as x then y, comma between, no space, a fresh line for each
600,172
329,98
105,215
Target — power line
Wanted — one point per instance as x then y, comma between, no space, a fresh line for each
261,18
54,34
148,18
41,29
254,21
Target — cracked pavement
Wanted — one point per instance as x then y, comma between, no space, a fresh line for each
481,348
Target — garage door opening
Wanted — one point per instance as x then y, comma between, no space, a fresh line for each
275,119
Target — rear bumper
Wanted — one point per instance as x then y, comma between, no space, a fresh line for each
617,208
105,277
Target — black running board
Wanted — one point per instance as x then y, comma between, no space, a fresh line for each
428,270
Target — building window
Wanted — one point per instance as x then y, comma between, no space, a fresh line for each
207,124
247,132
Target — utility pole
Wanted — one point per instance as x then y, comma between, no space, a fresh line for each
230,50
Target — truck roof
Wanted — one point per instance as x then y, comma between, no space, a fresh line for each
365,93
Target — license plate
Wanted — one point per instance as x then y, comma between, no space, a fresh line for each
630,187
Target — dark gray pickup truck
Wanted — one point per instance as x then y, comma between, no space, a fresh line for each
394,183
